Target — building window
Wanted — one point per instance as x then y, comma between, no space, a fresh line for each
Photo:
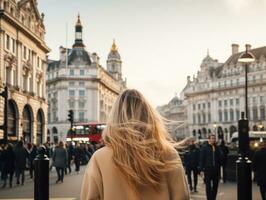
71,72
199,119
203,105
81,104
71,93
220,116
225,116
231,102
82,72
254,100
231,82
81,116
255,113
225,102
220,103
7,42
237,115
237,81
72,104
209,105
231,115
24,52
81,84
13,46
194,119
209,117
81,93
237,101
204,118
261,99
71,83
198,106
262,113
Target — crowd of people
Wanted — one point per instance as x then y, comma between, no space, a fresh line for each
17,158
207,160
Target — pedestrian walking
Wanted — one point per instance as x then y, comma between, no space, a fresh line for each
60,161
8,159
78,154
210,163
225,152
32,156
191,162
70,150
21,155
139,160
259,167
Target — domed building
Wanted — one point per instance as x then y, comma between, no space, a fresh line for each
78,82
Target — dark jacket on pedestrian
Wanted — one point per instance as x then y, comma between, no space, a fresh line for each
259,166
8,159
210,159
21,154
60,157
33,154
78,154
191,158
225,152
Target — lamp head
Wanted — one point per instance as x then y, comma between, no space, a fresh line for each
246,57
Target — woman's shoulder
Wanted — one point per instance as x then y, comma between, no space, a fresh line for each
102,153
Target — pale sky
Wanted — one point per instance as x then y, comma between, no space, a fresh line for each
161,42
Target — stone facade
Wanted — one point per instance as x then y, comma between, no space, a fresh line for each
175,115
23,60
215,97
79,82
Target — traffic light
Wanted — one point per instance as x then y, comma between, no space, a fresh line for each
71,117
4,94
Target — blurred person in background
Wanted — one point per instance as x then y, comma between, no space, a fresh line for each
191,162
60,161
259,168
8,160
21,154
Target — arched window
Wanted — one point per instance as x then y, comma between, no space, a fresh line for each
12,119
27,124
40,125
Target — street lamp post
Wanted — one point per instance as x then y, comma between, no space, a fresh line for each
243,164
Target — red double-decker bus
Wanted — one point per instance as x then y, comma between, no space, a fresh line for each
86,132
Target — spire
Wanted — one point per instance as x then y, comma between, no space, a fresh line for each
78,34
78,21
114,48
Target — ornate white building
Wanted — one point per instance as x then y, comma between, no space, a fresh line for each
215,96
176,120
79,82
23,63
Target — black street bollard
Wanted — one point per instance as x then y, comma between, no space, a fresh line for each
41,175
243,164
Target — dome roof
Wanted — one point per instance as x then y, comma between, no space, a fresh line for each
114,52
79,54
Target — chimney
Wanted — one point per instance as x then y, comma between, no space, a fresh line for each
62,51
188,80
235,48
248,47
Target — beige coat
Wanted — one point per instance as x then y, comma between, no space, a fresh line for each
102,181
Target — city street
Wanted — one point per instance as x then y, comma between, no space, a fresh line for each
72,183
67,190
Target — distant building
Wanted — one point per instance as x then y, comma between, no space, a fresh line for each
23,63
78,82
175,114
215,97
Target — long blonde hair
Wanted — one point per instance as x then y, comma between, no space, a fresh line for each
139,140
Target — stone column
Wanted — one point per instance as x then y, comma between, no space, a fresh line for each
19,65
2,64
34,82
